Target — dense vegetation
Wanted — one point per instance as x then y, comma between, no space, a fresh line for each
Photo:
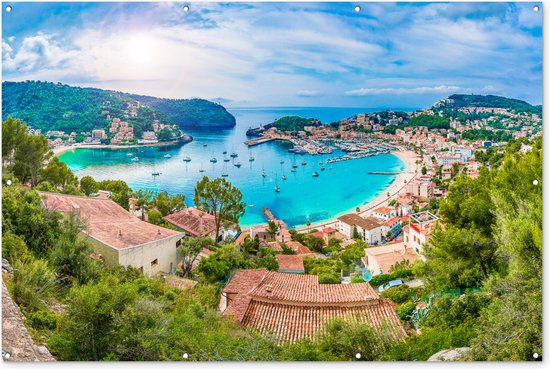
294,123
54,106
492,101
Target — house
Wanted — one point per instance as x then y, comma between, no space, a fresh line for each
291,307
420,188
380,259
446,172
368,229
282,234
198,223
405,204
118,236
384,213
392,227
290,263
417,233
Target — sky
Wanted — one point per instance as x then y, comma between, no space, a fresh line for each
281,54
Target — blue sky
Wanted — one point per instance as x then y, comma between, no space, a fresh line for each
281,54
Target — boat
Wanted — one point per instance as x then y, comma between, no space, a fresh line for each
320,162
281,162
225,175
322,168
293,170
129,154
225,152
204,145
263,173
283,177
238,165
155,174
304,163
251,158
187,159
226,159
234,155
277,189
315,174
294,166
135,158
167,156
213,160
250,205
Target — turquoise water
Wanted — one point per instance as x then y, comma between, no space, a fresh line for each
340,187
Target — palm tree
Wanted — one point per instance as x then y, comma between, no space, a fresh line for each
308,224
272,228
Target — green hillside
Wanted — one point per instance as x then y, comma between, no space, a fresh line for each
54,106
492,101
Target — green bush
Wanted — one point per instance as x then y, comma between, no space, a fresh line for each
42,319
329,278
357,279
399,294
406,310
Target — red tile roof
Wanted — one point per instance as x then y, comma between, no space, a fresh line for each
193,221
107,222
329,230
298,248
383,210
290,262
294,306
368,223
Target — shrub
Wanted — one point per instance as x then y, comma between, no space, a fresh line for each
33,282
42,319
357,279
406,310
399,294
329,278
380,279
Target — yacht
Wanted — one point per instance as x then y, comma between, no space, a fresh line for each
304,163
129,154
251,158
204,145
135,158
226,159
293,170
322,168
213,160
315,174
187,159
283,177
277,189
234,155
282,162
263,173
224,152
167,156
238,165
155,174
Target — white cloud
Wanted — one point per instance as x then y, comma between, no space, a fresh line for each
403,91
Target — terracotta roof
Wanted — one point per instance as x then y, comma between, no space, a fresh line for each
383,210
390,222
107,222
194,221
294,306
298,248
290,262
388,256
365,223
329,230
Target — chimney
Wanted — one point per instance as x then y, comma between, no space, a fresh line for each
158,232
269,290
119,233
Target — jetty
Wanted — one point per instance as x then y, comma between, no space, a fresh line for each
257,141
268,215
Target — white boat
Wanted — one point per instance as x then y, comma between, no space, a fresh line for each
187,159
263,173
250,205
315,174
283,177
135,158
304,163
167,156
129,154
277,189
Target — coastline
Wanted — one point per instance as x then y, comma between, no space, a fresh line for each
61,149
409,160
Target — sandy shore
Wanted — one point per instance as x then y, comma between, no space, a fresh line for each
61,149
409,158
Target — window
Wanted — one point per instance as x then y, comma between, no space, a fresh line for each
155,262
141,270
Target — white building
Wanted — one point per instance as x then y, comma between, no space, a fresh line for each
418,231
368,229
384,213
117,236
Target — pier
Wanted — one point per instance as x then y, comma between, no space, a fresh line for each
268,215
257,141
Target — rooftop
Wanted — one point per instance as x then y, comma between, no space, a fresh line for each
388,256
194,221
290,262
107,222
295,306
355,220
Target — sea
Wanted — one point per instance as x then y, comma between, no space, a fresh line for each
339,188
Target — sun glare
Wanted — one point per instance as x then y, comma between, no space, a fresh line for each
140,50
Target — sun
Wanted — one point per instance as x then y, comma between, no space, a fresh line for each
140,50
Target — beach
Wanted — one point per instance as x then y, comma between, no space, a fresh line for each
61,149
409,158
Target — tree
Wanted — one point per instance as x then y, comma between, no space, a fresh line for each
308,224
13,132
189,251
57,173
272,228
120,191
167,204
424,170
29,158
220,199
143,201
88,185
70,255
32,284
154,217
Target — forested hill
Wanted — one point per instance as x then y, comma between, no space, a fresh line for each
54,106
190,112
491,101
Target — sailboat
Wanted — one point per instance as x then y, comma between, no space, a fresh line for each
155,172
167,156
237,164
263,172
226,159
304,163
213,160
277,189
251,158
224,171
187,159
294,163
315,174
233,153
201,170
283,177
